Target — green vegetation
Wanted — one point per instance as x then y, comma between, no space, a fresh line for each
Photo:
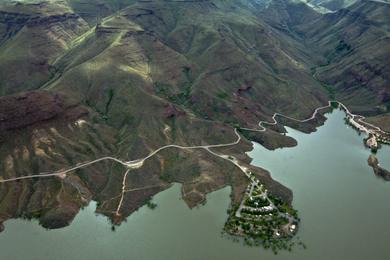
180,98
261,223
334,105
341,49
150,204
187,72
329,89
110,96
256,202
261,232
161,88
222,95
113,77
342,46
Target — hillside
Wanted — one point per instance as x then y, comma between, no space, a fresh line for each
350,50
356,52
332,5
32,36
82,79
146,76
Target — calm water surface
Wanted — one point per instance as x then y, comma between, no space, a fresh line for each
345,212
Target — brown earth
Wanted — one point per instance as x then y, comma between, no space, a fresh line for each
378,171
35,107
382,120
157,73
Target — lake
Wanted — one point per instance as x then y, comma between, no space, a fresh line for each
344,208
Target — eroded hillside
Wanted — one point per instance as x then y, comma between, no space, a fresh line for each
82,80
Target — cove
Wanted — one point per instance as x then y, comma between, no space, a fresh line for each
344,208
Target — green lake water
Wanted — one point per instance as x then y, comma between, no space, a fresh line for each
345,212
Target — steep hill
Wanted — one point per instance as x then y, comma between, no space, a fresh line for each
151,74
287,15
355,43
93,11
83,79
349,49
331,5
32,36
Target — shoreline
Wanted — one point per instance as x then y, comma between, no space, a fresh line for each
361,125
137,163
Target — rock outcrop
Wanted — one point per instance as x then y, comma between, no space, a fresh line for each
379,171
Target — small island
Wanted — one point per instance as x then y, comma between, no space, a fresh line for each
378,170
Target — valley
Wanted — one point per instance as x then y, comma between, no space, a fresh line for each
115,101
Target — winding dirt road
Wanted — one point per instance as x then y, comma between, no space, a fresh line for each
139,162
352,116
129,164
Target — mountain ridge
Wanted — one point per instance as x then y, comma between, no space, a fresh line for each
126,77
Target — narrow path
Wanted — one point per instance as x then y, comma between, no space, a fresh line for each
123,193
130,190
129,164
351,115
139,162
274,121
62,173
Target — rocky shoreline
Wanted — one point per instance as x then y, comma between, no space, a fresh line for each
378,170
